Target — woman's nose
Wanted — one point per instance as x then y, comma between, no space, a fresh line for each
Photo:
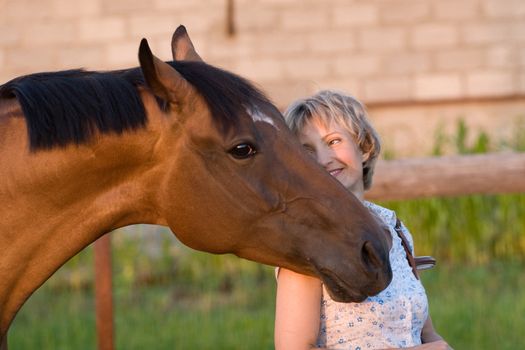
324,156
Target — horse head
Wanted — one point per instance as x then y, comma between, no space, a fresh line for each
235,180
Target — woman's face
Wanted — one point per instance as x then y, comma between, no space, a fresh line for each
335,149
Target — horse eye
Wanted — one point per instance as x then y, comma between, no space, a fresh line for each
243,151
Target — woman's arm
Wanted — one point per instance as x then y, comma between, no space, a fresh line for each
297,311
428,333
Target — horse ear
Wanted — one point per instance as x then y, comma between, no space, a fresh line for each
181,46
164,80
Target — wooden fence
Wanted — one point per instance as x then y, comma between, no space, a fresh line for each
449,176
393,180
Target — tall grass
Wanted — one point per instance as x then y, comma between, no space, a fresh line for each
478,307
227,304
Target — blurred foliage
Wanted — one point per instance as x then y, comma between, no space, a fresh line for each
467,229
463,142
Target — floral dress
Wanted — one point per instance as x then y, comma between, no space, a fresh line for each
393,318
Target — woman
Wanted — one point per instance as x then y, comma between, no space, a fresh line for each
334,129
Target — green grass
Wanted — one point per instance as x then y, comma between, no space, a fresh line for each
478,307
181,315
473,307
167,318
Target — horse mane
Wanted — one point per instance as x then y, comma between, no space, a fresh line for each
226,94
71,106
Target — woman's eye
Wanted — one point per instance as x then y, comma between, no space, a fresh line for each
334,141
243,151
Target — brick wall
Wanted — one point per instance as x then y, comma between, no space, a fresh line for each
382,51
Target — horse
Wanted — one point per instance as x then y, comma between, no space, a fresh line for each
181,144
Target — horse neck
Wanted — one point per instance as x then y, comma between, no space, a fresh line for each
56,202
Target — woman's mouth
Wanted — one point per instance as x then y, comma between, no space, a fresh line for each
335,172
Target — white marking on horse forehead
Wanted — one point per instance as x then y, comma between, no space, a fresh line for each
258,116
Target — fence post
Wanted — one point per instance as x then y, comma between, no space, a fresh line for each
3,345
104,293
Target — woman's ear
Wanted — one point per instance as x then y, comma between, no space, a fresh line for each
365,156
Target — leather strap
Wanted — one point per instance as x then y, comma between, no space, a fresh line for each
408,252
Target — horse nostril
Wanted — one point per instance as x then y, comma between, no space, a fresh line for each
369,256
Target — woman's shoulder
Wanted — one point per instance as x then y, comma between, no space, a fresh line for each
387,215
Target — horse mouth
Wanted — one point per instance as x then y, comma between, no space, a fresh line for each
339,290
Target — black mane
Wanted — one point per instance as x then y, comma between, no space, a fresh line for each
70,106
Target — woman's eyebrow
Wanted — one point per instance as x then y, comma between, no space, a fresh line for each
331,134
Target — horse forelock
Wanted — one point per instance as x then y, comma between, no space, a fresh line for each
228,96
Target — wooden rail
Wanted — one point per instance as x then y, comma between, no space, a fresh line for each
449,176
395,179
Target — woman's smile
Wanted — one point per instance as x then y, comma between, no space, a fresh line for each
335,172
336,150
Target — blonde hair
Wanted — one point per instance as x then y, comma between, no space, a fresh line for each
346,111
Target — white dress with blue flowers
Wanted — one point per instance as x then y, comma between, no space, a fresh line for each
393,318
